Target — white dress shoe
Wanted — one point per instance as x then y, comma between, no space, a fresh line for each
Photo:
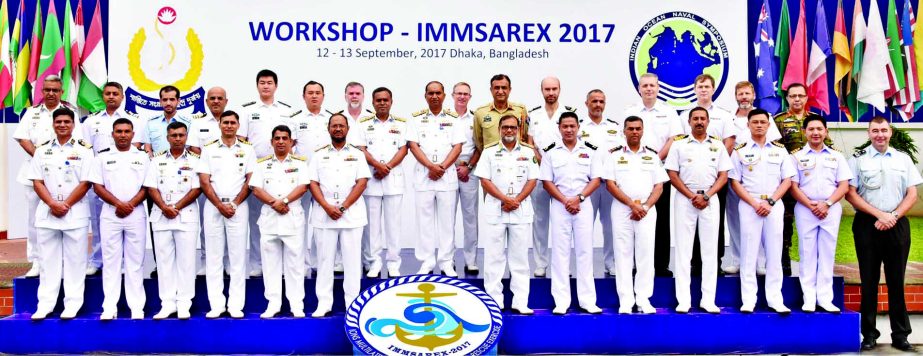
394,271
69,313
34,271
591,309
320,313
624,310
682,309
108,315
338,268
539,272
41,314
747,308
524,310
710,308
374,271
298,314
731,269
164,313
559,311
829,307
780,308
183,314
137,315
236,314
448,270
646,308
91,270
425,269
256,273
269,313
214,313
808,308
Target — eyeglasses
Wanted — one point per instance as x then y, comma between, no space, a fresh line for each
509,128
797,96
51,90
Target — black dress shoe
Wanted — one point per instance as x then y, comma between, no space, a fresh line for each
868,344
473,271
787,272
903,345
663,273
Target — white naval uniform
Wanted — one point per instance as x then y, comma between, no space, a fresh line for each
436,134
227,167
36,125
282,235
698,165
382,140
337,171
571,171
660,123
468,191
544,132
720,123
819,173
97,130
256,123
311,132
731,257
203,130
509,171
122,239
636,174
605,135
175,239
760,169
63,241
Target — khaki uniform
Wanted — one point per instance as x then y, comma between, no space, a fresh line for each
487,118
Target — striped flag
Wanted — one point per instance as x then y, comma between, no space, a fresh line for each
841,73
70,75
908,96
36,51
783,44
765,66
796,71
51,62
895,66
93,65
22,90
6,65
818,96
875,62
857,49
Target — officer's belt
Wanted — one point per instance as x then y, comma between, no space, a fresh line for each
761,196
226,200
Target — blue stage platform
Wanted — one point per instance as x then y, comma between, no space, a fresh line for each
664,332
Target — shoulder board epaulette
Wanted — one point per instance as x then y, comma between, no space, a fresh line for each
590,145
193,154
713,137
353,146
367,118
198,115
264,159
131,113
569,108
85,144
612,121
37,105
450,113
104,150
369,111
471,111
796,150
779,115
161,153
322,148
858,153
248,104
535,108
44,143
244,141
421,112
651,149
212,143
740,145
680,137
68,105
399,119
331,112
777,144
294,114
616,148
283,104
299,157
834,149
492,144
526,144
546,149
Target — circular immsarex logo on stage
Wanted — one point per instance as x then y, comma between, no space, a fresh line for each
423,314
678,46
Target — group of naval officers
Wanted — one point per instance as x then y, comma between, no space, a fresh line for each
285,191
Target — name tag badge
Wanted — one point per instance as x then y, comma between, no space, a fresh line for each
336,195
434,158
510,191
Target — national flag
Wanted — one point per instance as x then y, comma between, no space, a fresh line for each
875,62
783,45
52,58
93,65
818,96
841,73
857,49
6,65
796,71
907,97
36,42
763,46
71,74
895,74
22,91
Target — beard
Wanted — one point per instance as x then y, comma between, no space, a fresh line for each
355,105
509,139
745,106
338,139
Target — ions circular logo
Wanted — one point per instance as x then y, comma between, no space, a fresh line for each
678,46
423,314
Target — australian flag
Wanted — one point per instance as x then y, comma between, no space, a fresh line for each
766,75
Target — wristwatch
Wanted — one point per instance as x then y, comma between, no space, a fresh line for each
771,201
704,195
285,200
233,205
581,197
342,209
829,203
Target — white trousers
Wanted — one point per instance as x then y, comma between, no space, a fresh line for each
253,257
732,250
123,241
32,246
310,253
221,233
541,201
283,254
496,256
95,256
350,241
468,203
567,228
634,247
707,220
602,207
63,256
817,248
755,231
436,219
383,229
176,272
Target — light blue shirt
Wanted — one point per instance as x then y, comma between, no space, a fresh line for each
882,179
156,131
